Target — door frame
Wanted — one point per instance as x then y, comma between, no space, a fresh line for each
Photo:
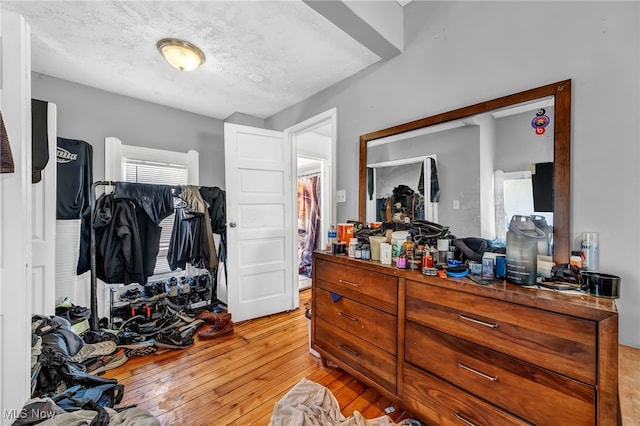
329,117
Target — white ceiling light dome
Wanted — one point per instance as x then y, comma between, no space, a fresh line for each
180,54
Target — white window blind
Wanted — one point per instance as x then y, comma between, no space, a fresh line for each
160,174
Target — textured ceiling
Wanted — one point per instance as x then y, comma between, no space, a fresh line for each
111,45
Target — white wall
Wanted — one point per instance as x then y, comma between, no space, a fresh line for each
92,115
460,53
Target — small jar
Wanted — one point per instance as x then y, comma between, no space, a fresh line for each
358,251
401,263
365,252
353,243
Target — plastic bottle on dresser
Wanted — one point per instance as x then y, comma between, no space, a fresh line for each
589,251
332,235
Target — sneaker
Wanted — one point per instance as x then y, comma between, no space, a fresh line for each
190,329
172,287
143,351
173,340
91,350
131,295
149,293
107,362
185,286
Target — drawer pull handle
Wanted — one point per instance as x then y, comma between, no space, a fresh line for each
475,321
479,373
342,314
349,351
349,282
463,420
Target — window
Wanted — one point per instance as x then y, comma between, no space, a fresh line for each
153,166
514,196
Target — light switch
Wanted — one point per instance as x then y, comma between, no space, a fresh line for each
341,196
456,204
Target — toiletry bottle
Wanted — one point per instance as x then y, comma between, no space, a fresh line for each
332,235
589,248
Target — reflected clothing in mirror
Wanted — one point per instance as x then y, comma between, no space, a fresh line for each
435,187
542,183
403,204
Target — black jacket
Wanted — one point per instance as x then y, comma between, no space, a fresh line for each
118,246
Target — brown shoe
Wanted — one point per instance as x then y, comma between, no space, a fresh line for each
208,317
223,320
213,332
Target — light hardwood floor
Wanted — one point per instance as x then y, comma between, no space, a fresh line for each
236,380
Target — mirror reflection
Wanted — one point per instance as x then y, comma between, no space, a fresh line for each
484,168
474,168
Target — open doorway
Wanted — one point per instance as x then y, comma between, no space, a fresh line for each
314,146
309,190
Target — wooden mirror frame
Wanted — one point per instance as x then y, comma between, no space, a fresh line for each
561,153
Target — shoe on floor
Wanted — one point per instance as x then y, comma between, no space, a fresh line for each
208,317
215,332
141,351
173,340
190,329
107,362
91,350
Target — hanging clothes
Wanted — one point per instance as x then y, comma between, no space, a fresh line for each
74,168
153,204
6,157
39,139
308,221
192,236
188,241
435,186
118,245
216,198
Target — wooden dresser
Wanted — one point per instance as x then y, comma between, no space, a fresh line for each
454,352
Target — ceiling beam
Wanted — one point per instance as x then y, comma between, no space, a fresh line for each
379,26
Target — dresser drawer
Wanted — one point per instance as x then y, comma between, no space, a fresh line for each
531,392
371,288
439,403
554,341
372,325
358,354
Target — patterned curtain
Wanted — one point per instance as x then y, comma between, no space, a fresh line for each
308,221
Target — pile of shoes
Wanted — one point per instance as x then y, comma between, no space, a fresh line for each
150,299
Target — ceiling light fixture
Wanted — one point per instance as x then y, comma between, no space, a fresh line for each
181,54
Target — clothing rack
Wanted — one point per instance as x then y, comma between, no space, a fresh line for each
93,322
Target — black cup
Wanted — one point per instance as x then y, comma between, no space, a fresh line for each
599,284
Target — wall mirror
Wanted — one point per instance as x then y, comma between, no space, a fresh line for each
474,167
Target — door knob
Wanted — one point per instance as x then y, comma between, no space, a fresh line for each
232,224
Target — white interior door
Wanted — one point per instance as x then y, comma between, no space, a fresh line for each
15,219
43,241
258,182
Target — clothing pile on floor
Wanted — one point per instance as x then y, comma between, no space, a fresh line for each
311,404
66,365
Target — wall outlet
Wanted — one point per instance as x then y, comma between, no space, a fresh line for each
341,196
456,204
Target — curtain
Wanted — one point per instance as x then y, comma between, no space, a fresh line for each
308,221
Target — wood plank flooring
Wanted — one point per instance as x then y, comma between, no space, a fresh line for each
236,380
